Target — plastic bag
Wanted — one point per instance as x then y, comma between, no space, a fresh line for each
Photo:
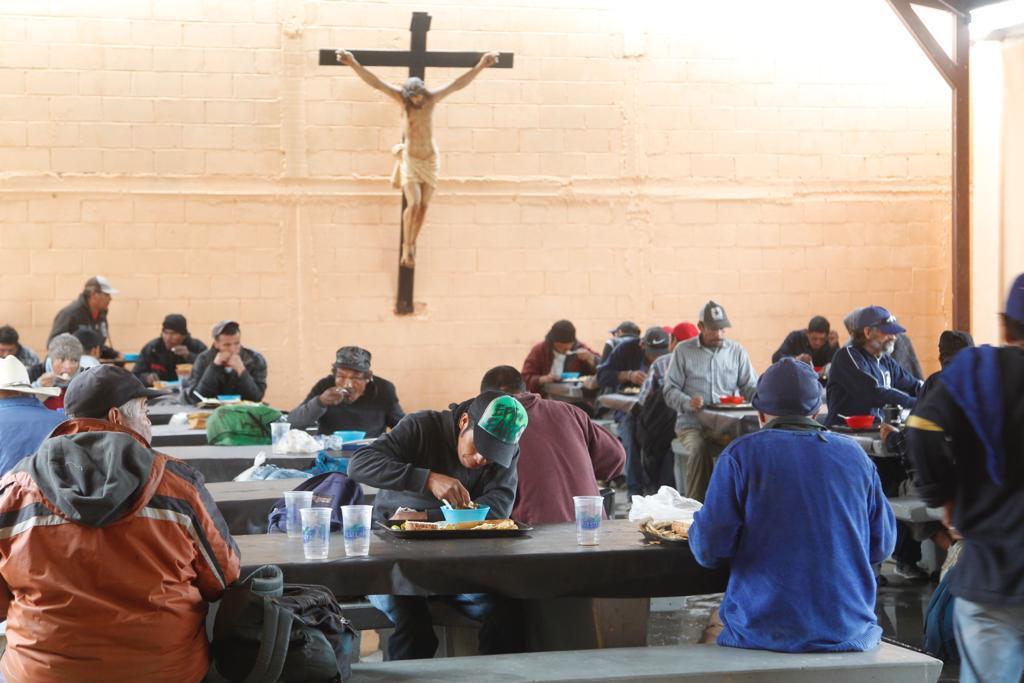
258,461
297,441
667,505
178,420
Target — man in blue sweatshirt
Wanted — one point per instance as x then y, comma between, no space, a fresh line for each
864,377
798,515
966,440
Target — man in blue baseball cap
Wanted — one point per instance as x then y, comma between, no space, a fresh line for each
864,377
798,514
966,442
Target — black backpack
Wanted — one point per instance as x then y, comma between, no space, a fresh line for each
269,632
655,428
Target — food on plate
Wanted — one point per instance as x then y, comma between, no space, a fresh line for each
490,525
419,526
632,391
497,524
667,530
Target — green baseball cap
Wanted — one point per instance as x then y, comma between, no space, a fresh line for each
499,423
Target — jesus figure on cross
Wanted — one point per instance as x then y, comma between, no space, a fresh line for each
418,163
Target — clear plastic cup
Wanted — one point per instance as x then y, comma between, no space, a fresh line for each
293,502
278,436
316,532
355,525
589,510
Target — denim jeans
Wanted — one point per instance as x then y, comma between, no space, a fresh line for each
626,424
991,642
501,628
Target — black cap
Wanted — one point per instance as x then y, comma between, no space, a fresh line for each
94,392
498,422
353,358
656,341
562,332
223,325
627,328
176,323
713,316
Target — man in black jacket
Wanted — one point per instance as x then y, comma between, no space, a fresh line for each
88,310
350,398
815,346
160,358
966,440
228,367
466,453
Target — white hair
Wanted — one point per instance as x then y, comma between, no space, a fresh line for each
65,347
133,408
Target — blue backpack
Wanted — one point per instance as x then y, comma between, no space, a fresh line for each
330,489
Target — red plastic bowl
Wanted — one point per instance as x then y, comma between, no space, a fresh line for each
731,400
860,421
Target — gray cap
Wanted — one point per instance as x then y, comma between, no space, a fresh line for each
713,316
353,358
218,329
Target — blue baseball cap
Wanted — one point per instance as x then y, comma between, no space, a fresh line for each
876,316
789,387
1015,299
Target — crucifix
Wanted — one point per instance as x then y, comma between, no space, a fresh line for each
418,163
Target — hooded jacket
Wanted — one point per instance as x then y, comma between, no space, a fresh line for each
109,554
966,441
159,360
399,462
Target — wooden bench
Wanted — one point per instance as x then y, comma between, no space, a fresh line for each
676,663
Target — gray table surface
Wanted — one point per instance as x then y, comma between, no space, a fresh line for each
623,402
160,412
730,422
224,463
546,563
246,504
177,435
565,391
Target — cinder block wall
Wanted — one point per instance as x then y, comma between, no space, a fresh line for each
634,163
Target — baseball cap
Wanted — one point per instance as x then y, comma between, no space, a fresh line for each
789,387
713,316
94,392
655,341
499,422
684,331
876,316
627,328
218,329
176,323
353,358
101,283
1015,300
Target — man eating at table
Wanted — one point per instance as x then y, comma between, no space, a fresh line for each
559,352
864,376
798,515
351,397
815,345
468,453
228,367
703,370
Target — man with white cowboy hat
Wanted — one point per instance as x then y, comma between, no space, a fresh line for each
24,421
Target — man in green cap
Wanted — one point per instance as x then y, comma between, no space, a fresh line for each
466,453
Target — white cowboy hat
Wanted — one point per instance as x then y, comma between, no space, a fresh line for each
14,377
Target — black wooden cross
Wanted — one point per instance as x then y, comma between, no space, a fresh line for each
417,59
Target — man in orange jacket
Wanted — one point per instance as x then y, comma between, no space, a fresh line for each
109,551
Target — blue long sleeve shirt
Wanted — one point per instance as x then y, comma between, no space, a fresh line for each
24,424
860,384
628,355
799,516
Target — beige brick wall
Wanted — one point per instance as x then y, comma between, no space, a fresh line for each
632,165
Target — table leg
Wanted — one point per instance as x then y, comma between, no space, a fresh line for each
586,623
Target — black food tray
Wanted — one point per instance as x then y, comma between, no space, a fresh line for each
523,530
846,429
729,406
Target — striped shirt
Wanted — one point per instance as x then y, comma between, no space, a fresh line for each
697,370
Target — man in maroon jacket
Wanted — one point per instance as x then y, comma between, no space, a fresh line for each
562,453
559,352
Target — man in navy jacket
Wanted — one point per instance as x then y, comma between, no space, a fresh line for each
864,377
798,514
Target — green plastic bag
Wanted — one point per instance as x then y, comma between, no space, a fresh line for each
241,425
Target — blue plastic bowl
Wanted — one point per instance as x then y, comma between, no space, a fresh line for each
570,375
229,397
475,515
131,356
350,435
